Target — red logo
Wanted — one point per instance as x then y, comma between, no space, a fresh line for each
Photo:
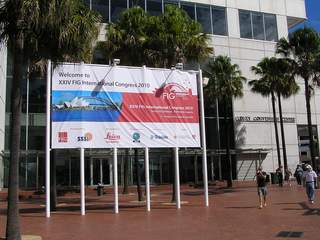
111,137
62,137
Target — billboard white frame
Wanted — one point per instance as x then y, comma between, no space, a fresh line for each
115,158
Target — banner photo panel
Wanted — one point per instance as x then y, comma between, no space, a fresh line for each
98,106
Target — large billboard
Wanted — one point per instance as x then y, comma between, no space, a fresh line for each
98,106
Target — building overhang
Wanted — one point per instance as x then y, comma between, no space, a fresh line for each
294,21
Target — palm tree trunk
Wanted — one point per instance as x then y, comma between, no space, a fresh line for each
126,173
13,223
228,154
273,99
53,181
136,162
284,149
311,144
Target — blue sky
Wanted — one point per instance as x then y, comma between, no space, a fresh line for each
313,13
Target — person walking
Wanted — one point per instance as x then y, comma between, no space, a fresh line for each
287,176
261,178
298,174
310,179
280,176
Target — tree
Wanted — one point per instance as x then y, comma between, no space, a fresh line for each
137,168
302,51
126,172
225,82
276,79
287,88
175,38
156,41
126,38
35,31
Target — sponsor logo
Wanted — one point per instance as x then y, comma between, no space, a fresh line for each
62,137
136,137
86,138
170,91
112,137
158,137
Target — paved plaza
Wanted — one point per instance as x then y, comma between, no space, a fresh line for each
233,214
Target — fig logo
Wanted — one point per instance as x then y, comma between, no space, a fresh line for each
170,91
112,137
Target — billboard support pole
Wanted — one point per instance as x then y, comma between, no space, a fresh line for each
177,176
204,145
48,140
82,190
146,165
115,180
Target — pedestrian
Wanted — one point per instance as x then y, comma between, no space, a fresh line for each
298,174
310,179
287,176
280,176
261,178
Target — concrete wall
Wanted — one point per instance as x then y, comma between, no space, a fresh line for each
292,8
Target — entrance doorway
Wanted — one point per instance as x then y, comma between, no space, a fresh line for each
100,171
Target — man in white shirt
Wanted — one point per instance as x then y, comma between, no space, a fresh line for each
310,178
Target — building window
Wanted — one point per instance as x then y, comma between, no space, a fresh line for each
219,21
102,7
154,7
271,30
189,8
170,2
140,3
87,2
117,6
245,24
256,25
203,17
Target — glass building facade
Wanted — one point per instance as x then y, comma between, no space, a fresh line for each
213,19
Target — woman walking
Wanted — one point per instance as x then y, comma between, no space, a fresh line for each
310,179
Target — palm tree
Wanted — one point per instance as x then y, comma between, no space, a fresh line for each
175,38
268,70
126,37
276,79
34,31
226,82
302,51
156,41
287,88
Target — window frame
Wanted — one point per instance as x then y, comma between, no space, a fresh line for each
196,16
225,19
264,25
